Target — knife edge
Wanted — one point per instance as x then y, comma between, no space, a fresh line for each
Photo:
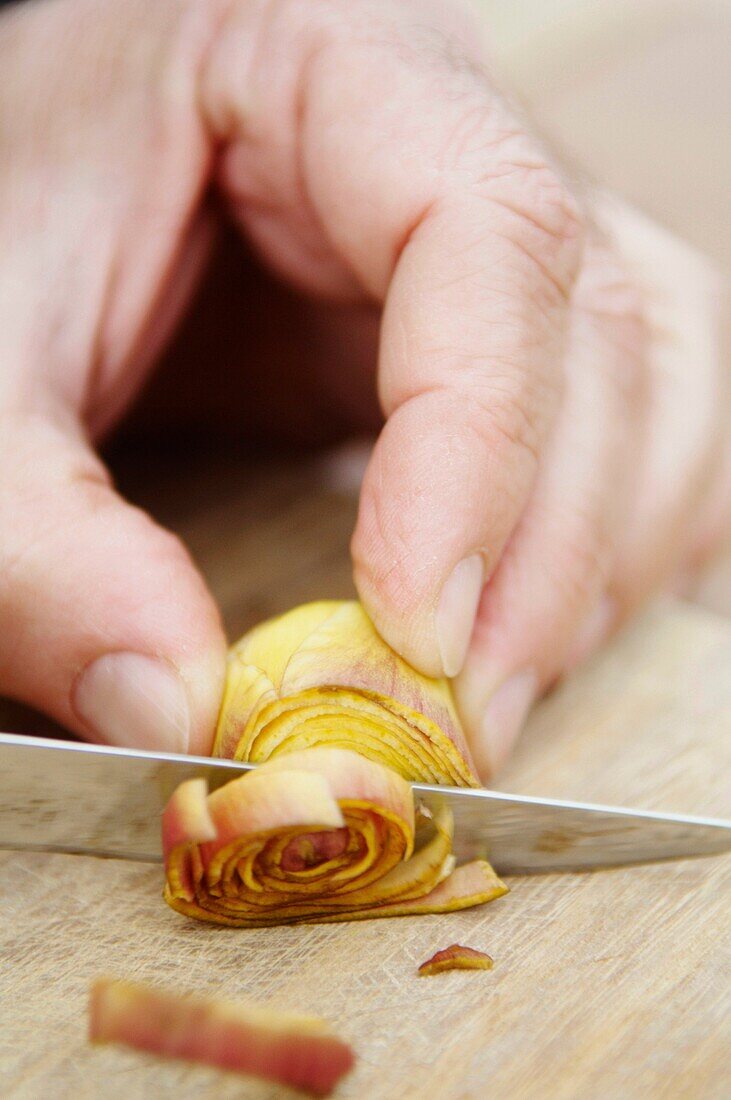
118,806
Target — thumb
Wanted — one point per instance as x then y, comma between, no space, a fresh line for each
105,623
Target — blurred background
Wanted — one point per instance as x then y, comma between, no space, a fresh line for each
636,93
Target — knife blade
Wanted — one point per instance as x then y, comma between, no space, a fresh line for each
64,796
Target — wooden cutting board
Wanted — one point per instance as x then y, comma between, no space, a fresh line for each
612,984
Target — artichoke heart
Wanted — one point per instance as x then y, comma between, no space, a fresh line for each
326,828
320,675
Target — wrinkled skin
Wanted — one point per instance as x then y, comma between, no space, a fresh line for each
546,362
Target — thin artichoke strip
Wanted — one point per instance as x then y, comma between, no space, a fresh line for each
278,1046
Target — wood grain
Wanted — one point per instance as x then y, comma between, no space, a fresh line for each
609,985
613,984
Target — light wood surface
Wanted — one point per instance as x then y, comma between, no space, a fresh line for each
613,984
608,985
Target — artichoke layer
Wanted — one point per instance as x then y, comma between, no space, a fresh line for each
321,675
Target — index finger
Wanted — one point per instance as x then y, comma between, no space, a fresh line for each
404,174
470,366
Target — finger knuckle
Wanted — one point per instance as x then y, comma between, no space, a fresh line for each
536,212
504,424
541,195
383,562
488,154
508,411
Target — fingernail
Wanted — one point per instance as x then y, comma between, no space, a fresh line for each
137,702
456,612
503,720
593,632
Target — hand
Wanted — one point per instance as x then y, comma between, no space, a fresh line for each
547,365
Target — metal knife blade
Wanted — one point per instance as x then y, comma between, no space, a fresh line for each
63,796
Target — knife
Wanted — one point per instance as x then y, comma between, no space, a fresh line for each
64,796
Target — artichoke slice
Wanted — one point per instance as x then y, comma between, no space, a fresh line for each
318,835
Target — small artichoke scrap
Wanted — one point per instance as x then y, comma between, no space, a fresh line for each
319,835
455,957
321,675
